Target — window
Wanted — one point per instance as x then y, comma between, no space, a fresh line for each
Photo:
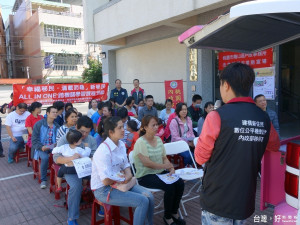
48,30
58,32
77,33
67,32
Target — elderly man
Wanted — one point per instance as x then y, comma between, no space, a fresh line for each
43,141
15,126
84,125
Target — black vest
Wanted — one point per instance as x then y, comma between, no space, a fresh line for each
229,181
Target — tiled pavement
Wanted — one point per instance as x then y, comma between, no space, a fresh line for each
23,202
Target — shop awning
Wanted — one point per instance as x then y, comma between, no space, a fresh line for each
249,27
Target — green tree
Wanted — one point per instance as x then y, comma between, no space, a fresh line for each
93,74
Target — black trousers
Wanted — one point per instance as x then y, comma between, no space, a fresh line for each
1,147
173,192
65,170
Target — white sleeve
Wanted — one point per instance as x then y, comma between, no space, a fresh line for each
57,150
85,152
102,160
8,120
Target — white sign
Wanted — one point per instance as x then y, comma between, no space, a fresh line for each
264,82
83,166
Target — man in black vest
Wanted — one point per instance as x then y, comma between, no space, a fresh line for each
232,143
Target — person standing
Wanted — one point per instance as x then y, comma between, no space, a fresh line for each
3,111
195,110
148,109
15,126
137,93
232,143
43,140
261,102
119,94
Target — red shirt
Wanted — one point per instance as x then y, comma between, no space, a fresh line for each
31,120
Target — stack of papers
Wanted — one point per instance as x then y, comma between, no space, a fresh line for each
167,178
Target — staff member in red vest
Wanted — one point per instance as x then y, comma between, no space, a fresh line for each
232,143
137,93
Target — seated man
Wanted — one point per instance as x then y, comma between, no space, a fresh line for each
194,110
43,140
84,125
148,109
15,126
261,102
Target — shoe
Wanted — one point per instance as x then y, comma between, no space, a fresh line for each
2,156
72,222
166,222
43,185
10,160
178,220
101,212
58,190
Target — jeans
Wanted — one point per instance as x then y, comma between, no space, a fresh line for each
187,158
65,170
14,146
212,219
44,155
137,197
173,192
1,147
74,195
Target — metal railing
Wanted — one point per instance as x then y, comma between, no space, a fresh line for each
78,15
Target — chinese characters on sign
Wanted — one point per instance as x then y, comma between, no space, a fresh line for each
264,82
174,91
47,94
280,219
255,60
251,131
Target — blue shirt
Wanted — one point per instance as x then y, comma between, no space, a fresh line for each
119,96
95,117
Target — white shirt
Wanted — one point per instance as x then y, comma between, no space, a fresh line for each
108,162
16,123
91,112
66,151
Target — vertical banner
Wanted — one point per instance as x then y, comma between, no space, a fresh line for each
174,91
264,82
49,93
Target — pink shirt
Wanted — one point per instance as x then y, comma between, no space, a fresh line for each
175,134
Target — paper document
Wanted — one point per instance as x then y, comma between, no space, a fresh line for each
167,178
83,166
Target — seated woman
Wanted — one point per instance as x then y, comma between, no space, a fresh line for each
129,106
181,129
109,161
35,109
150,159
165,113
71,120
208,107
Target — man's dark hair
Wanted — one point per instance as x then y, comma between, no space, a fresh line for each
258,96
2,107
240,77
22,106
129,100
59,105
73,136
48,110
168,100
117,80
68,104
122,112
133,125
100,105
148,96
136,80
196,97
84,121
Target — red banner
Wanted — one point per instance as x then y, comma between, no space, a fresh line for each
255,60
174,91
49,93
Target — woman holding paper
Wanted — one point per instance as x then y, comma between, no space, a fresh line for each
111,175
150,160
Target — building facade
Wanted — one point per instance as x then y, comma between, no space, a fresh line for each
47,41
140,39
3,57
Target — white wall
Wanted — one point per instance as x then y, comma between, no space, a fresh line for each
152,64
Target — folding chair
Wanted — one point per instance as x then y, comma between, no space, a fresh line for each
176,148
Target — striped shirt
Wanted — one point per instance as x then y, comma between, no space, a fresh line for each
63,130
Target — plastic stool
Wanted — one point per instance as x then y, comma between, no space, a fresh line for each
111,213
53,181
19,155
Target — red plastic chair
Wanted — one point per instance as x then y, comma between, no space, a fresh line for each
86,196
36,165
19,155
176,160
111,213
29,159
53,181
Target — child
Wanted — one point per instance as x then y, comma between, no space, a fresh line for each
161,130
132,136
140,105
68,150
